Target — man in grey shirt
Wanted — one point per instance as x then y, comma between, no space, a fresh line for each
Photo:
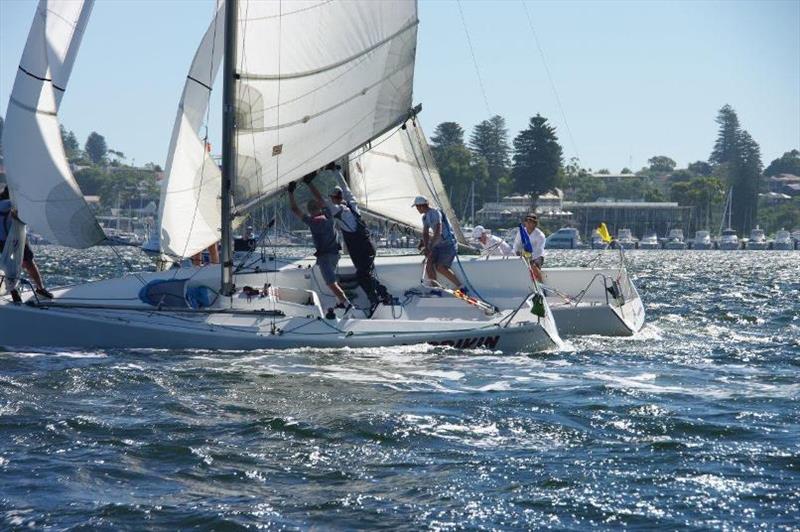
320,222
438,243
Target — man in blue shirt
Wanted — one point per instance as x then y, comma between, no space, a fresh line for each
438,243
7,212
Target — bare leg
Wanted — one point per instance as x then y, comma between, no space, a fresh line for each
449,274
337,291
430,271
33,271
537,272
197,259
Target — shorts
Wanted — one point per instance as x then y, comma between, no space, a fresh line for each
538,261
443,255
27,254
327,266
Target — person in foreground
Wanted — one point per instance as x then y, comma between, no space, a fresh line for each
344,209
320,221
529,243
438,243
491,244
7,212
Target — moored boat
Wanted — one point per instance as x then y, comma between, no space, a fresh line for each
564,238
626,240
758,239
675,239
649,241
783,240
702,240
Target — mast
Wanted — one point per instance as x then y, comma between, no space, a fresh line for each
228,148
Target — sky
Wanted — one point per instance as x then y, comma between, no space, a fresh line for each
620,81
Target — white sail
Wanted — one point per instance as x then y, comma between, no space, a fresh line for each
42,185
189,212
316,79
396,168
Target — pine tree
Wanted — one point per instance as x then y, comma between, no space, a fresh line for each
96,148
457,166
537,158
489,141
727,138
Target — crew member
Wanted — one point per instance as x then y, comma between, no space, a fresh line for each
533,249
491,244
7,212
438,243
320,221
344,209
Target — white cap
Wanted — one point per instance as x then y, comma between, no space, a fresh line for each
420,200
478,232
337,191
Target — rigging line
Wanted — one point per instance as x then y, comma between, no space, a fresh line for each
550,79
474,60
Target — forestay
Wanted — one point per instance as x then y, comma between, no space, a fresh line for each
316,79
189,213
387,175
42,185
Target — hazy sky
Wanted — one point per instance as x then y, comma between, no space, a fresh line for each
635,79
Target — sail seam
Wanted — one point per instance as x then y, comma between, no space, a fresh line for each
273,77
34,76
31,109
199,82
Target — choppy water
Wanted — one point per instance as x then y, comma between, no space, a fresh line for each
694,423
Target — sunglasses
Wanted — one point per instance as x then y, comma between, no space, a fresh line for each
531,220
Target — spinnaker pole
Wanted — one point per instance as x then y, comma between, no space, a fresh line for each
228,146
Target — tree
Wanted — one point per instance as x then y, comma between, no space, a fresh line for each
603,171
727,137
71,147
626,170
580,184
489,141
96,148
681,175
788,163
457,165
661,163
447,134
700,168
704,193
537,158
737,158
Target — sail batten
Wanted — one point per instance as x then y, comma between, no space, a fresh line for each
42,186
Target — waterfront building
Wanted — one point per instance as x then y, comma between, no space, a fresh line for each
638,216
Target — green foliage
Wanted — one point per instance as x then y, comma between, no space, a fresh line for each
661,164
127,183
537,158
489,142
681,175
626,170
704,193
700,168
457,165
71,147
91,180
727,138
737,158
96,148
603,171
788,163
783,216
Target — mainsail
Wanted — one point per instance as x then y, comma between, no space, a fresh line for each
315,80
387,175
42,185
189,212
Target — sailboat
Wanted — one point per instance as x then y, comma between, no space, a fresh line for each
293,100
728,239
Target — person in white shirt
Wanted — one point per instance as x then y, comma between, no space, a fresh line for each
537,240
491,244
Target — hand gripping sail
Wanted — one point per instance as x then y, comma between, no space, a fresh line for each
315,80
387,175
42,185
189,212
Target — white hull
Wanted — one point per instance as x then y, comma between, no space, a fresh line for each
702,245
757,245
729,246
784,246
675,245
108,314
596,311
649,245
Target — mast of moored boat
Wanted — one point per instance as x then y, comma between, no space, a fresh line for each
228,148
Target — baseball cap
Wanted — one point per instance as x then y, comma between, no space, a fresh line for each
420,200
478,231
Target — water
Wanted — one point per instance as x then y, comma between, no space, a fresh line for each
693,423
